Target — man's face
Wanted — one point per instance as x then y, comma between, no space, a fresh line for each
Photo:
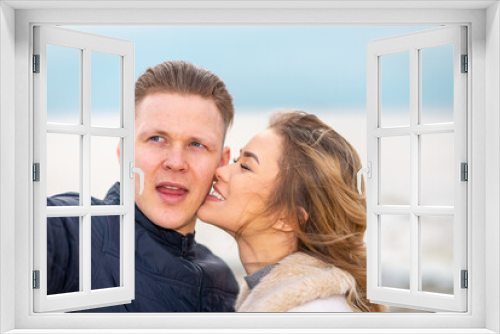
178,146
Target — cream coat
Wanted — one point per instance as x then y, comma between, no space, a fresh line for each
299,283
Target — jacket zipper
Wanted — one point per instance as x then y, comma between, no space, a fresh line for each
198,268
199,286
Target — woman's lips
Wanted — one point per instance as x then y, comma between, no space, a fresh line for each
212,198
215,195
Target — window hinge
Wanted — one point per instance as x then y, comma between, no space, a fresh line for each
465,279
465,64
36,63
464,172
36,279
36,172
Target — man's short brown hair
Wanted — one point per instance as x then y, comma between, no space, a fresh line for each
185,78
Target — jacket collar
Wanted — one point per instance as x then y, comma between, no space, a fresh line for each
298,278
254,279
180,244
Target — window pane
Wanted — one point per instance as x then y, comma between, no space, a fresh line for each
436,152
63,85
437,84
63,249
395,170
106,242
104,165
395,251
63,163
436,235
105,105
395,90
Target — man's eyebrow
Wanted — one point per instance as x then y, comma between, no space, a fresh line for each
149,130
210,140
161,133
251,155
204,140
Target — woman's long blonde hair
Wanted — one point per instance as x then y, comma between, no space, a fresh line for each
318,169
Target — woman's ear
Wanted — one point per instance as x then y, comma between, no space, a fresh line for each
283,225
303,215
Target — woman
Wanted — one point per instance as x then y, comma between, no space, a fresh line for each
291,202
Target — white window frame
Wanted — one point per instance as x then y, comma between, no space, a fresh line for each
413,44
86,44
483,20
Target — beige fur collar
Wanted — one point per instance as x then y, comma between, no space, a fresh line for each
297,279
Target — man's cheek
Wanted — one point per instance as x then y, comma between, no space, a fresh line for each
205,168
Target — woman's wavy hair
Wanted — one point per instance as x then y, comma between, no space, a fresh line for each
318,169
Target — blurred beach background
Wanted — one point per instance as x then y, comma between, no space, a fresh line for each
317,69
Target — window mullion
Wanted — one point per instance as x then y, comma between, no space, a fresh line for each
82,130
414,170
376,194
127,246
85,230
122,174
372,189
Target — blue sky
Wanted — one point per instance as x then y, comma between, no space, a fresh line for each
307,67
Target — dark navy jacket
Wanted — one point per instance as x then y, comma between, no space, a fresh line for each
173,273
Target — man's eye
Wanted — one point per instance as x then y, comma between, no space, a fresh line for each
156,138
195,144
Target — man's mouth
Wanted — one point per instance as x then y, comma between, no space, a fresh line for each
173,188
171,192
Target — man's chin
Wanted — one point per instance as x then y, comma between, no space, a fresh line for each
178,226
169,217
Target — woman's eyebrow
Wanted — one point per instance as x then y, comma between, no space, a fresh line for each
251,155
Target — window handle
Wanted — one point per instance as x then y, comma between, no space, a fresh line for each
134,170
368,171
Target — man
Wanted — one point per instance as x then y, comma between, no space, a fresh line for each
182,116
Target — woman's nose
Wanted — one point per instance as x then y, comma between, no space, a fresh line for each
222,173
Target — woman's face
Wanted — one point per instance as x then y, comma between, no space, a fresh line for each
242,189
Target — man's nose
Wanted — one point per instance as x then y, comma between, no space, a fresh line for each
175,160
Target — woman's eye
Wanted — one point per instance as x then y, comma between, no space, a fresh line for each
245,167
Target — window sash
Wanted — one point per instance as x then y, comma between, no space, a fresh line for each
413,298
86,297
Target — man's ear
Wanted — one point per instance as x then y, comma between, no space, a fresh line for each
226,155
118,152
